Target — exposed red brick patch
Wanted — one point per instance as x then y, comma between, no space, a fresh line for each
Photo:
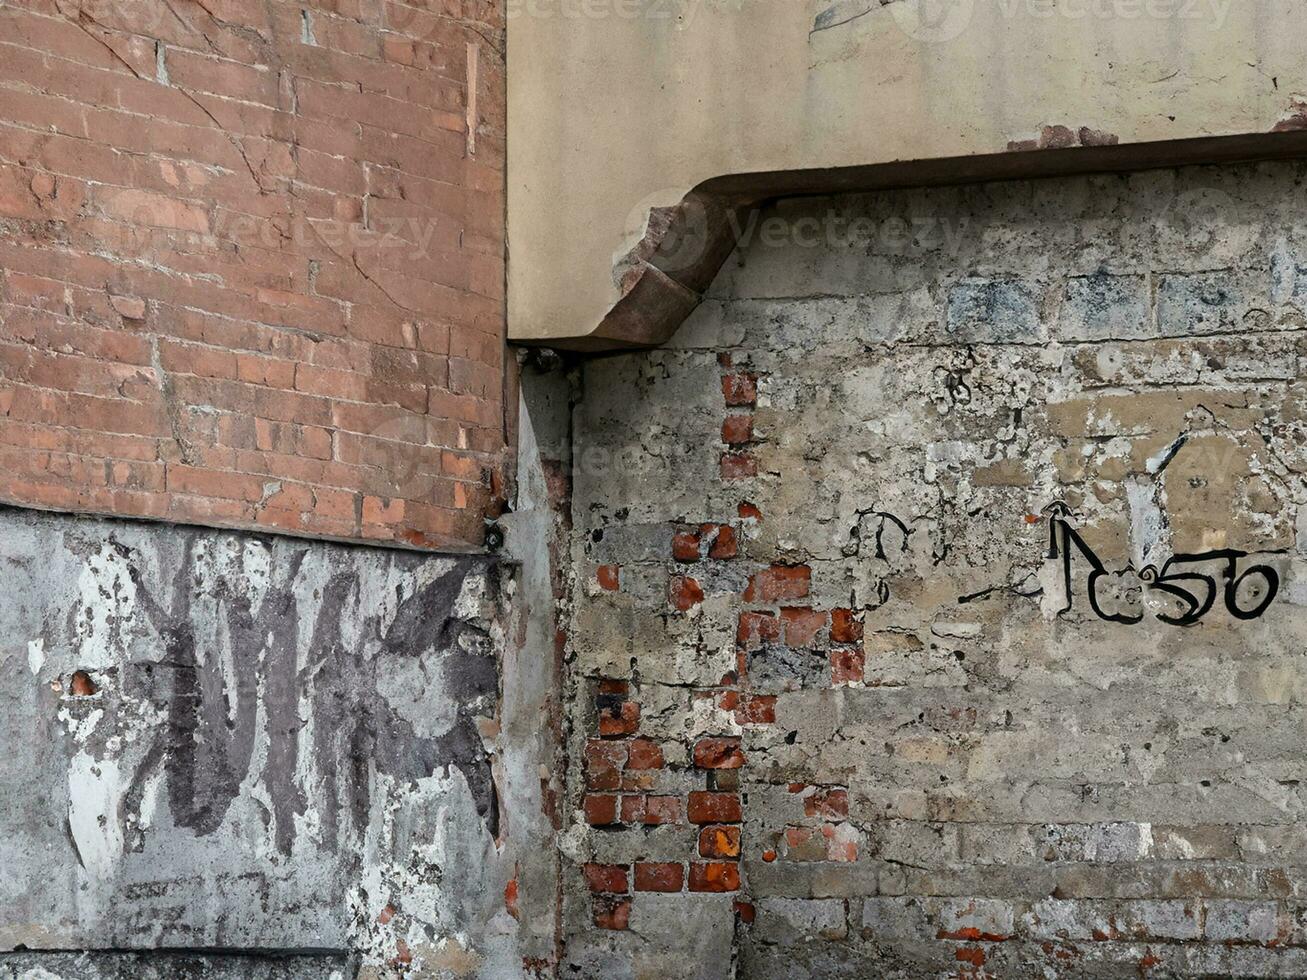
844,627
718,753
685,593
802,625
745,911
714,876
686,546
607,878
619,719
970,954
719,842
738,466
1097,137
831,803
600,810
402,956
639,781
756,709
737,430
652,811
609,577
723,545
611,686
611,912
709,807
841,843
510,897
81,685
769,855
847,665
749,512
739,389
757,630
779,583
645,754
603,764
659,877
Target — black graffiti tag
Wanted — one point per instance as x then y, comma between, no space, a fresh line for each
1193,580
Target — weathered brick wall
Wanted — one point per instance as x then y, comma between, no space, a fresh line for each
839,709
251,263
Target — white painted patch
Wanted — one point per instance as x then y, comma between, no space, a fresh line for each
35,655
106,608
149,800
94,791
1148,533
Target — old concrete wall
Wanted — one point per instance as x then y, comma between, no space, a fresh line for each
238,743
938,595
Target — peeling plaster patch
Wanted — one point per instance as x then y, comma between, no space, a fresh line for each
94,793
220,786
106,606
1058,137
1148,527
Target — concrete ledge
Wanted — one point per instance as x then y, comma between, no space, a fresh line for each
639,135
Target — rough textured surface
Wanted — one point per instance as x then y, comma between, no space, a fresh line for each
251,264
226,741
157,965
839,708
806,87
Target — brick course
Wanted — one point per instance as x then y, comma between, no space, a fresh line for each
251,270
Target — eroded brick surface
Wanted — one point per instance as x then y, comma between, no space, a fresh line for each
251,265
900,748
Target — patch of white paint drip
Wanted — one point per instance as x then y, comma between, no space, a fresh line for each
94,792
1148,532
35,655
149,800
106,607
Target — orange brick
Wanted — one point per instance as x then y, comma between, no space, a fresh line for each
719,842
714,876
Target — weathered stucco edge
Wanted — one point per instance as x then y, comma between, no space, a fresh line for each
661,287
445,546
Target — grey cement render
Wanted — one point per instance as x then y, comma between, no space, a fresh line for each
166,965
289,748
1034,790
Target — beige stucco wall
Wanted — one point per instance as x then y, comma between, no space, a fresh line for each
617,106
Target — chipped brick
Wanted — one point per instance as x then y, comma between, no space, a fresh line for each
714,876
719,842
718,753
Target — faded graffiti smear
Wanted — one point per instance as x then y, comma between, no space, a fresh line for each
268,738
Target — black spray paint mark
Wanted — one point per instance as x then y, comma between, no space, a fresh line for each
1258,583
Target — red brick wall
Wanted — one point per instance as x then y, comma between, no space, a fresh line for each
251,263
